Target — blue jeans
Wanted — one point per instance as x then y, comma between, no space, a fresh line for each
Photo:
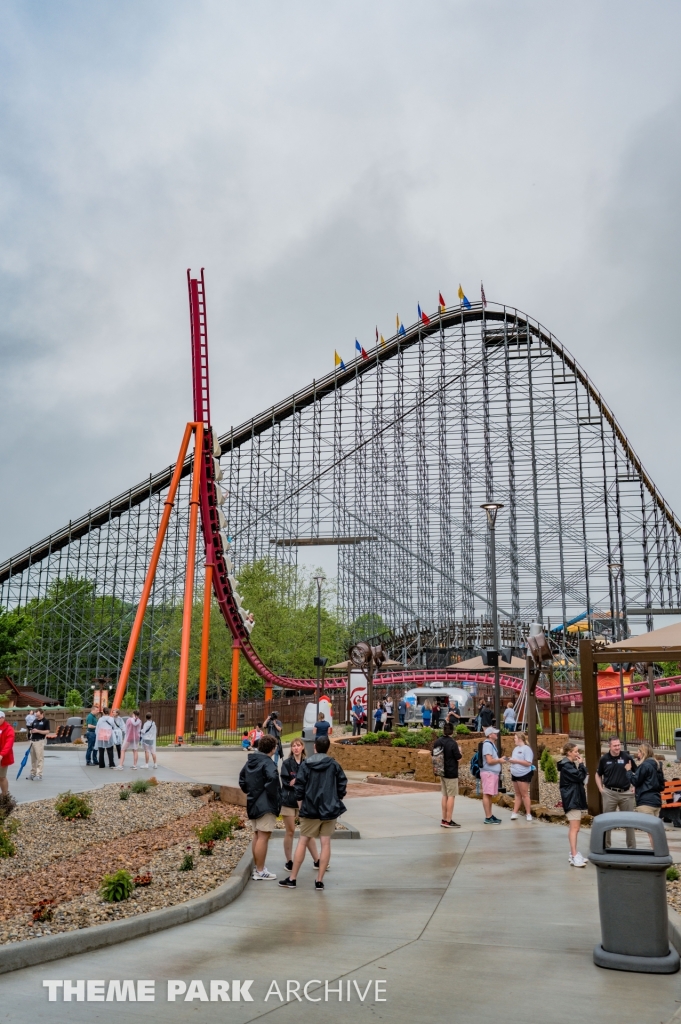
401,719
90,756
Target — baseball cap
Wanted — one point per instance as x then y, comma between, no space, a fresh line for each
2,713
490,729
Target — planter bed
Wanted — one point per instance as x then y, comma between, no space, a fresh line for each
147,834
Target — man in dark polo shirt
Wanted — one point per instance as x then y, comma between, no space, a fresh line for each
450,780
613,778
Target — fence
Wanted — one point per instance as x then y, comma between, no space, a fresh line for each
640,722
218,714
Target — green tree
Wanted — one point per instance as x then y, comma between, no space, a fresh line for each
16,632
73,700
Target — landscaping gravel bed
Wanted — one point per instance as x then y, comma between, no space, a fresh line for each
148,834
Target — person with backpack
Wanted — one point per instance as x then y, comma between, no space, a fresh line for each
259,780
648,781
490,773
446,757
320,787
572,778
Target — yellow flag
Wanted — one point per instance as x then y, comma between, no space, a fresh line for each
461,294
397,321
382,341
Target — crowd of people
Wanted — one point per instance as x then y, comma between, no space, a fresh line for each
309,788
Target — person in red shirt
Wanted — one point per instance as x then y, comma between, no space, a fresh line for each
6,751
255,735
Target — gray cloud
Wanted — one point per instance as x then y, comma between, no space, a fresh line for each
329,167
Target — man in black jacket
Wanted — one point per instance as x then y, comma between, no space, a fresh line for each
259,780
320,787
450,780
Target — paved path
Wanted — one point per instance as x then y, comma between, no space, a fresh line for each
484,925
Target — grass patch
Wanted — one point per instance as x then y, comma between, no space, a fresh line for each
139,786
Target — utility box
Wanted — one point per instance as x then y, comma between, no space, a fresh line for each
632,897
677,743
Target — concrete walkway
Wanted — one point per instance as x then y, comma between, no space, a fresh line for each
485,924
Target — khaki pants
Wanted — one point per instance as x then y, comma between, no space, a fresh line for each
619,802
37,757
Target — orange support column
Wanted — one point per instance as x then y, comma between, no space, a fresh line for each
189,585
151,572
205,645
234,695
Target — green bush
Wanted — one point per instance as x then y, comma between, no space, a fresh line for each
124,793
462,730
216,829
72,805
73,700
383,735
550,770
371,737
415,739
117,887
427,734
399,742
216,743
187,862
7,847
673,874
139,786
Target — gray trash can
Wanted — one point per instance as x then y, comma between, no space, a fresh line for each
677,743
308,741
632,897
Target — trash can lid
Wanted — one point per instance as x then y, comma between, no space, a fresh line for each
604,823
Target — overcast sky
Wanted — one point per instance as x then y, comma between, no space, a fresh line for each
329,165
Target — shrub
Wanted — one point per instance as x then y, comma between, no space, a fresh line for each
206,848
462,730
43,911
426,734
7,847
216,743
217,828
73,700
124,793
371,737
187,862
139,786
415,739
399,742
673,874
550,770
72,805
383,735
7,805
117,887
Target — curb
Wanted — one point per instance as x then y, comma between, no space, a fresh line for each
30,952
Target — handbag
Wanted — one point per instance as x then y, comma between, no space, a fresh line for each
117,734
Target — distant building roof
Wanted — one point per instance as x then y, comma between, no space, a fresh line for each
25,698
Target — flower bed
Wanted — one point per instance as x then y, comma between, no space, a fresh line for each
52,884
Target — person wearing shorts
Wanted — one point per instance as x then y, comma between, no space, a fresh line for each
289,804
320,787
6,751
449,782
259,780
522,769
490,773
572,778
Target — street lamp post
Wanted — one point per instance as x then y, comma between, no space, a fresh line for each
319,662
616,571
492,508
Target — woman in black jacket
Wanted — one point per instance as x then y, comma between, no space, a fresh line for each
648,781
572,778
289,804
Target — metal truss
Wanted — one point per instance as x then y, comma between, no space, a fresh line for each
402,448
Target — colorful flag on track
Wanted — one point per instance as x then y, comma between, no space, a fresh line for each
423,317
360,349
441,302
382,341
339,361
377,334
483,296
400,326
463,299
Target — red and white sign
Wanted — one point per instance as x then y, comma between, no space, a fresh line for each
358,688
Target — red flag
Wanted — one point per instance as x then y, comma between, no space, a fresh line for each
442,302
364,354
425,318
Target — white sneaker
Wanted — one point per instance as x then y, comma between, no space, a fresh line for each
578,861
514,816
528,817
119,767
134,767
144,766
263,876
571,860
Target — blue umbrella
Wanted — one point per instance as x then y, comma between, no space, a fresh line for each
24,760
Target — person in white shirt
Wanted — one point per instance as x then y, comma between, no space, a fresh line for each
148,737
509,717
522,767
